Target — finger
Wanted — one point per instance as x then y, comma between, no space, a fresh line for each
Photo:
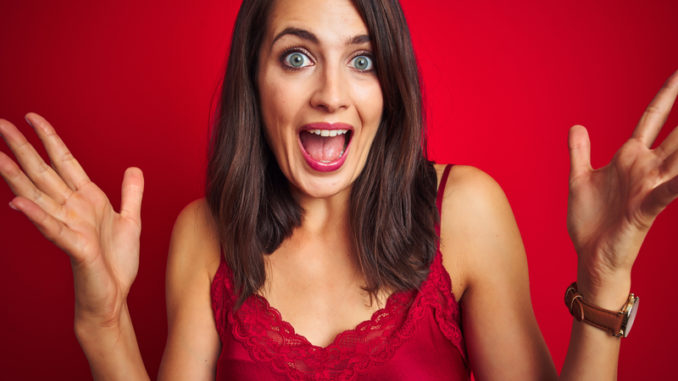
669,145
660,197
65,164
42,175
580,152
54,230
669,167
666,192
24,187
132,192
656,113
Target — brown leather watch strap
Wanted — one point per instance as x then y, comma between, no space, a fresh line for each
610,321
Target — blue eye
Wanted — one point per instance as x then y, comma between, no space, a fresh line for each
362,63
297,60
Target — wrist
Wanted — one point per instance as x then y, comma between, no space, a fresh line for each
617,322
609,291
100,309
111,348
89,326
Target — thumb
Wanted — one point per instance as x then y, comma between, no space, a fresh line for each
580,151
132,191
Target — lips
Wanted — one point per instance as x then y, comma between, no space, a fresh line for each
325,146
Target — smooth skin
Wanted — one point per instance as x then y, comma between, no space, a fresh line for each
610,211
324,297
327,87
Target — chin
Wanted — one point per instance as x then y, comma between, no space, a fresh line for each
310,183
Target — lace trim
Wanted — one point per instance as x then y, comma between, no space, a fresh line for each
447,313
268,338
220,290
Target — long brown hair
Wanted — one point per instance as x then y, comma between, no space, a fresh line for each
392,203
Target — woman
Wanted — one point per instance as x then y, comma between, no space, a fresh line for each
313,64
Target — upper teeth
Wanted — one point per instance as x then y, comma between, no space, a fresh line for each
328,132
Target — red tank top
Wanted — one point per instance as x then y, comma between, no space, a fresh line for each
416,336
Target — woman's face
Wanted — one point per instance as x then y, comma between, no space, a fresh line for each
321,101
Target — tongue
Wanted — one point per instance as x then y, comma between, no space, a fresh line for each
323,148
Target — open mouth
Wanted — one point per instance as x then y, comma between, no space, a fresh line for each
325,146
325,149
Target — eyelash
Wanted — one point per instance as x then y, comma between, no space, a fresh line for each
369,56
288,51
292,50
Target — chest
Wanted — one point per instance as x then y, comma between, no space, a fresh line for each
418,352
319,306
416,336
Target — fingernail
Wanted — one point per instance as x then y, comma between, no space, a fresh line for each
12,206
28,121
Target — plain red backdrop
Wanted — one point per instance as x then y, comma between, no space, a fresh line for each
131,83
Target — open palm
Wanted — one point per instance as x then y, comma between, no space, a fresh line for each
611,209
73,213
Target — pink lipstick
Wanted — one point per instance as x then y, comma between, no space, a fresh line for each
325,146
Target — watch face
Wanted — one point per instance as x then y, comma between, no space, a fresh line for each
631,316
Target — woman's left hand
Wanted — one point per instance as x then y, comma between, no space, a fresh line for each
611,209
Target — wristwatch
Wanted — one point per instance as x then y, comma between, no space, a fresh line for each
616,323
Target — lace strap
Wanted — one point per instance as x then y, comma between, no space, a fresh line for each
447,312
441,192
221,293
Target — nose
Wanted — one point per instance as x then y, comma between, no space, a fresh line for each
331,92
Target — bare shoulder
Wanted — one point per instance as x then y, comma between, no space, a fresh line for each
484,254
469,179
479,235
192,345
195,242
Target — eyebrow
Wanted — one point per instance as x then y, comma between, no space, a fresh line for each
308,36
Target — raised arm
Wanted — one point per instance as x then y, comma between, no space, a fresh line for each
102,244
610,212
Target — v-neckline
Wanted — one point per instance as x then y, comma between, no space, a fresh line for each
388,306
261,331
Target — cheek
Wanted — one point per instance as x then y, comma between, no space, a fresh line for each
279,109
281,99
275,111
371,104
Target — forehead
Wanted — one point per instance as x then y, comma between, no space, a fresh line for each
329,20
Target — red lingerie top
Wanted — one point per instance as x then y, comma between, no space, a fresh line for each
416,336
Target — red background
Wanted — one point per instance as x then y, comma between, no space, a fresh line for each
131,84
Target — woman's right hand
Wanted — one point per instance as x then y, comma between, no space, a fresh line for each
73,213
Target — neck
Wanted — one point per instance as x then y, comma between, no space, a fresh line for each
324,235
320,251
327,216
